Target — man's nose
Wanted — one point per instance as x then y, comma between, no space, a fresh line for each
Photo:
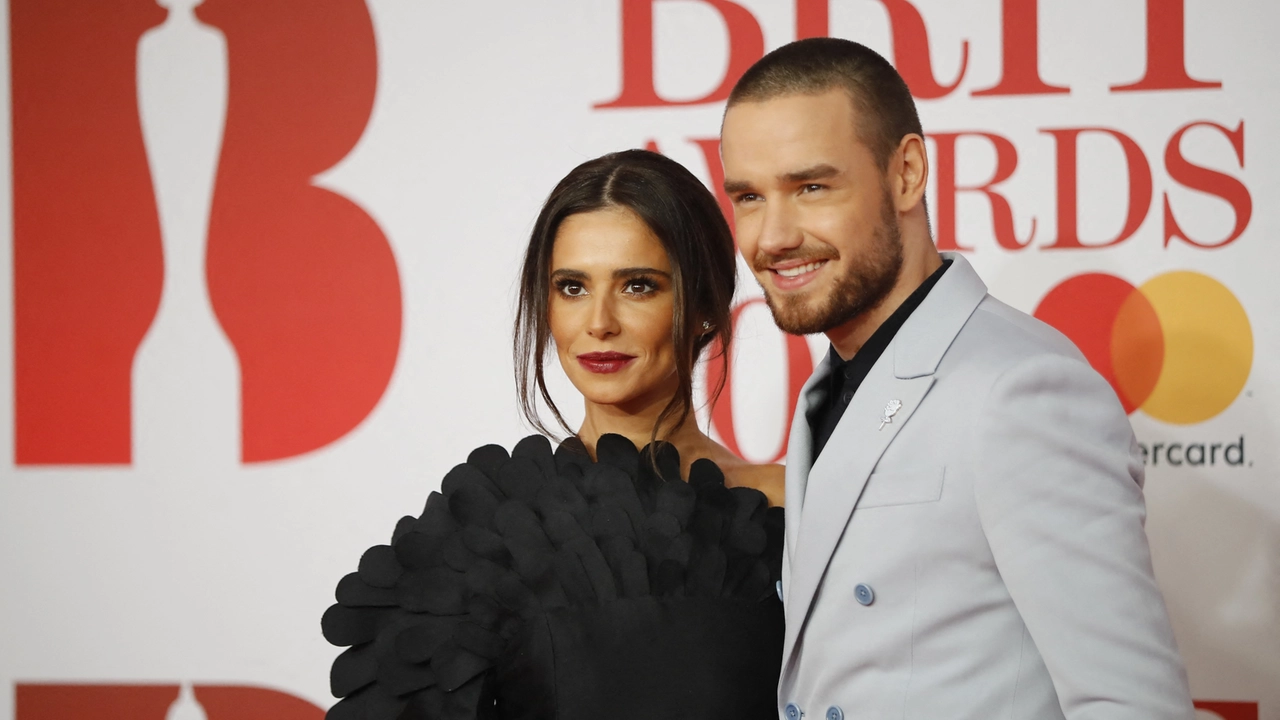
779,231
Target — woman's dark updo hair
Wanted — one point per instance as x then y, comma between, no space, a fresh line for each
686,219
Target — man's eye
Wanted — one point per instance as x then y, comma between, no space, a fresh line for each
747,197
811,187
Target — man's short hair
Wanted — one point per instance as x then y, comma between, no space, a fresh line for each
886,112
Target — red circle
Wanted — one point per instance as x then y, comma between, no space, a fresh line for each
1085,308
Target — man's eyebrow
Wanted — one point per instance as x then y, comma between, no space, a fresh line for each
621,273
809,174
817,172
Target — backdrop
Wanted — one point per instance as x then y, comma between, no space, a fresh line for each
258,286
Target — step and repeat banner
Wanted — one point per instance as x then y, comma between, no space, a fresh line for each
260,265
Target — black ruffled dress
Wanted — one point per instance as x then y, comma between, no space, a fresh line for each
541,586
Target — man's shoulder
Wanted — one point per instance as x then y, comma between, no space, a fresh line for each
998,340
998,335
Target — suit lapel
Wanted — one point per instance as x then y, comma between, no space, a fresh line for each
828,490
836,480
800,450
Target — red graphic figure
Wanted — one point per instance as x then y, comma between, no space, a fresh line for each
86,240
39,701
799,367
155,702
301,279
236,702
1230,710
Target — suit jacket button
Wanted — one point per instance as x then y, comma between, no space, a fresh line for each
793,711
864,594
778,586
835,713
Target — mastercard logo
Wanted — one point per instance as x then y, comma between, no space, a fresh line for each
1179,347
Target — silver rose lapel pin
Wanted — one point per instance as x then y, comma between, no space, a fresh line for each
890,409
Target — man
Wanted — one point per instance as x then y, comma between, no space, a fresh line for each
964,496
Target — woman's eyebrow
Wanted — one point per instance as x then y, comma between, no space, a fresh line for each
569,274
632,271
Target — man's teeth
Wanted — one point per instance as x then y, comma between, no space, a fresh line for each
792,272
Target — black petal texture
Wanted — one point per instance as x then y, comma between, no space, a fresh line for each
511,537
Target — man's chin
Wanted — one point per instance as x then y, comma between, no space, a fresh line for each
796,316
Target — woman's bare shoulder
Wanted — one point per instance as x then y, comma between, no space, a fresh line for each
769,479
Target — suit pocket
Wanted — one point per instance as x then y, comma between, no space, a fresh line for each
884,489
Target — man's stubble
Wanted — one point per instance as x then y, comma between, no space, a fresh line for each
866,282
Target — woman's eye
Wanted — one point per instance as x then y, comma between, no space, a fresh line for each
572,290
639,287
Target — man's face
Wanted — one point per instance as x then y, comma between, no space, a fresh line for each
813,214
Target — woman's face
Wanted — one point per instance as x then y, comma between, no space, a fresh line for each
612,309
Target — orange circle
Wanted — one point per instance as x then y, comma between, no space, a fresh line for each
1137,350
1208,347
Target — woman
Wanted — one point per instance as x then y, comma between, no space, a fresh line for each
593,581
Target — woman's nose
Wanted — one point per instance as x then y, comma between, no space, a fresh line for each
604,321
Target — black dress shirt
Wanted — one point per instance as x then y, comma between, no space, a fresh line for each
847,375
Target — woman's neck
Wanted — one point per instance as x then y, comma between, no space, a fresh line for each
636,421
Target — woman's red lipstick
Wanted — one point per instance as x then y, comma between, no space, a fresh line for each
604,362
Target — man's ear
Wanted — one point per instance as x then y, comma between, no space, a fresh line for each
909,173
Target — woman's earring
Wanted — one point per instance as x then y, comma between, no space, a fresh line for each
706,326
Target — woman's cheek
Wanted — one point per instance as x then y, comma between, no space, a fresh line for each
561,323
658,336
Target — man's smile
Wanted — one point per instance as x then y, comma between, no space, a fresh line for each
795,274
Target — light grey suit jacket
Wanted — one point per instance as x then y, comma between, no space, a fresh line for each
995,525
